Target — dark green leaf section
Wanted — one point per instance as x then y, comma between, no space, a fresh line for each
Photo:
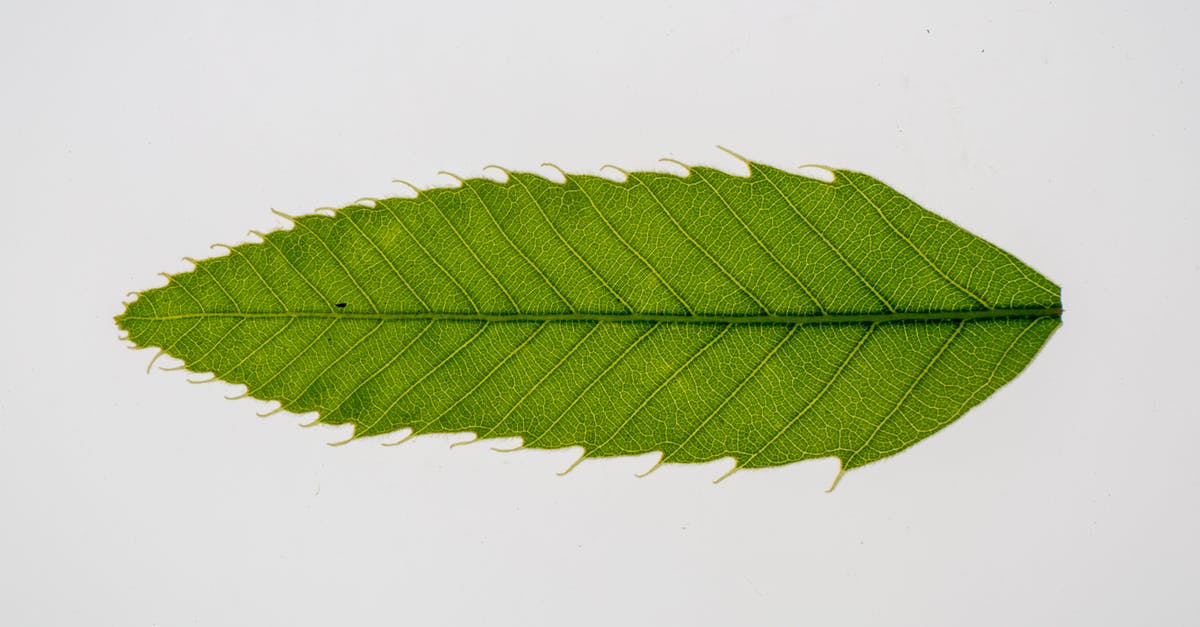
770,318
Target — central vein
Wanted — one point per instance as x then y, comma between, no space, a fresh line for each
850,318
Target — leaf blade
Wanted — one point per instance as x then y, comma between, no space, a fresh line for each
770,318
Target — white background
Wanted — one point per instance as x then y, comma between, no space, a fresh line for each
134,134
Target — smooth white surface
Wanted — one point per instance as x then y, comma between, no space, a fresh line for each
132,134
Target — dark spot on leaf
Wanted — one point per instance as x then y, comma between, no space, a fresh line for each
340,305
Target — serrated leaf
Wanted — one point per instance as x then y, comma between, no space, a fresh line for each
769,318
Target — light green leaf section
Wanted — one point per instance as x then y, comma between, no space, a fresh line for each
769,318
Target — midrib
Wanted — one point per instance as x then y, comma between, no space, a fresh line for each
852,318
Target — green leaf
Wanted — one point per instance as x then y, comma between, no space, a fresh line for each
769,318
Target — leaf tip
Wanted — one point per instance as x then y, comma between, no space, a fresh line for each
573,465
411,435
656,466
735,155
474,439
610,166
283,215
687,169
725,476
506,171
265,414
348,440
827,174
560,170
153,359
416,190
454,176
837,479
